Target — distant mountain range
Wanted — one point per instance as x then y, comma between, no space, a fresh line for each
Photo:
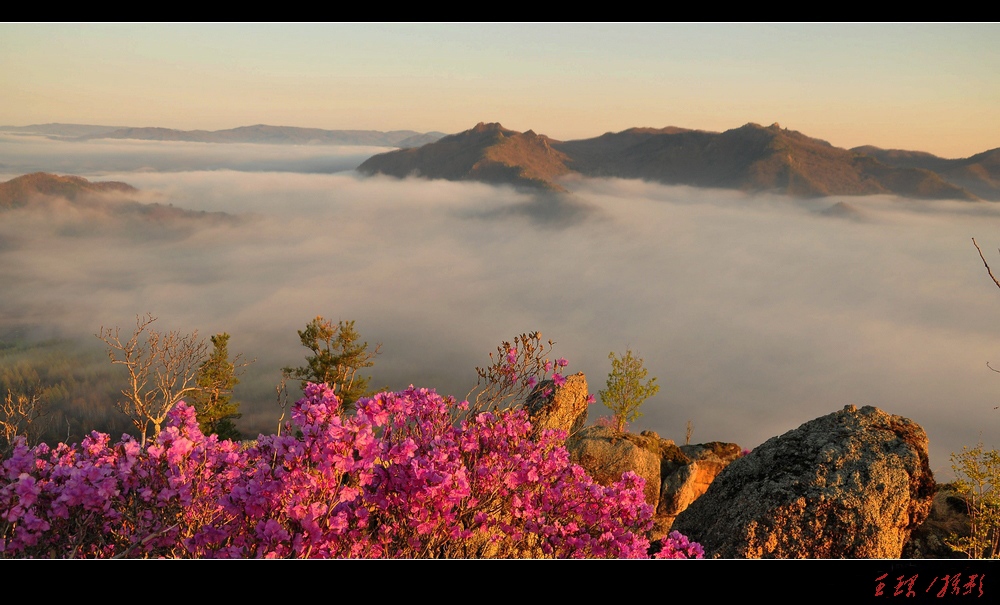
751,158
261,133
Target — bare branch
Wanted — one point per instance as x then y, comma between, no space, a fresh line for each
18,415
162,367
512,375
993,277
282,392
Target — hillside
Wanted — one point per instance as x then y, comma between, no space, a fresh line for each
978,174
21,191
488,153
750,158
111,199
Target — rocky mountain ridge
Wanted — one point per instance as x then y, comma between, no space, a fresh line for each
751,158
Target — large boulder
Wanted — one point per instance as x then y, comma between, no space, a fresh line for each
852,484
559,407
606,453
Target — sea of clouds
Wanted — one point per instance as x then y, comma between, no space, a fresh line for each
756,313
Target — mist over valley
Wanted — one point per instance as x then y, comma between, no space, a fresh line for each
756,312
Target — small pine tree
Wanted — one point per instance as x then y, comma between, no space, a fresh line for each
213,402
337,357
625,388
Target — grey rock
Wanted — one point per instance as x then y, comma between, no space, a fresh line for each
852,484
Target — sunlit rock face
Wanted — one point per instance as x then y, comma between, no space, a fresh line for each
562,407
852,484
606,453
675,476
688,473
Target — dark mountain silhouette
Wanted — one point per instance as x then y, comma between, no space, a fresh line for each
750,158
756,158
978,174
489,153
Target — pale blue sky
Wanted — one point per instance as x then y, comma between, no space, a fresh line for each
934,87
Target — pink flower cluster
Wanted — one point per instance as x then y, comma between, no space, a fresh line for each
515,372
610,422
677,546
398,478
103,500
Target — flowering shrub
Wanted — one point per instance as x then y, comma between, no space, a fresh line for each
612,422
677,546
99,500
398,478
514,373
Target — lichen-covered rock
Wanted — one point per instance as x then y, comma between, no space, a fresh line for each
852,484
606,453
564,408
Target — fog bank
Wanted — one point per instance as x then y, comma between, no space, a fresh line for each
755,313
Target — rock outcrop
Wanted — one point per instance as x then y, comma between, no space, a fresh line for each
675,476
559,407
606,453
686,474
852,484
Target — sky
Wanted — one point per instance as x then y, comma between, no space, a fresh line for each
930,87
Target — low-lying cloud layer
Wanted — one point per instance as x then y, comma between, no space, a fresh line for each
755,313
